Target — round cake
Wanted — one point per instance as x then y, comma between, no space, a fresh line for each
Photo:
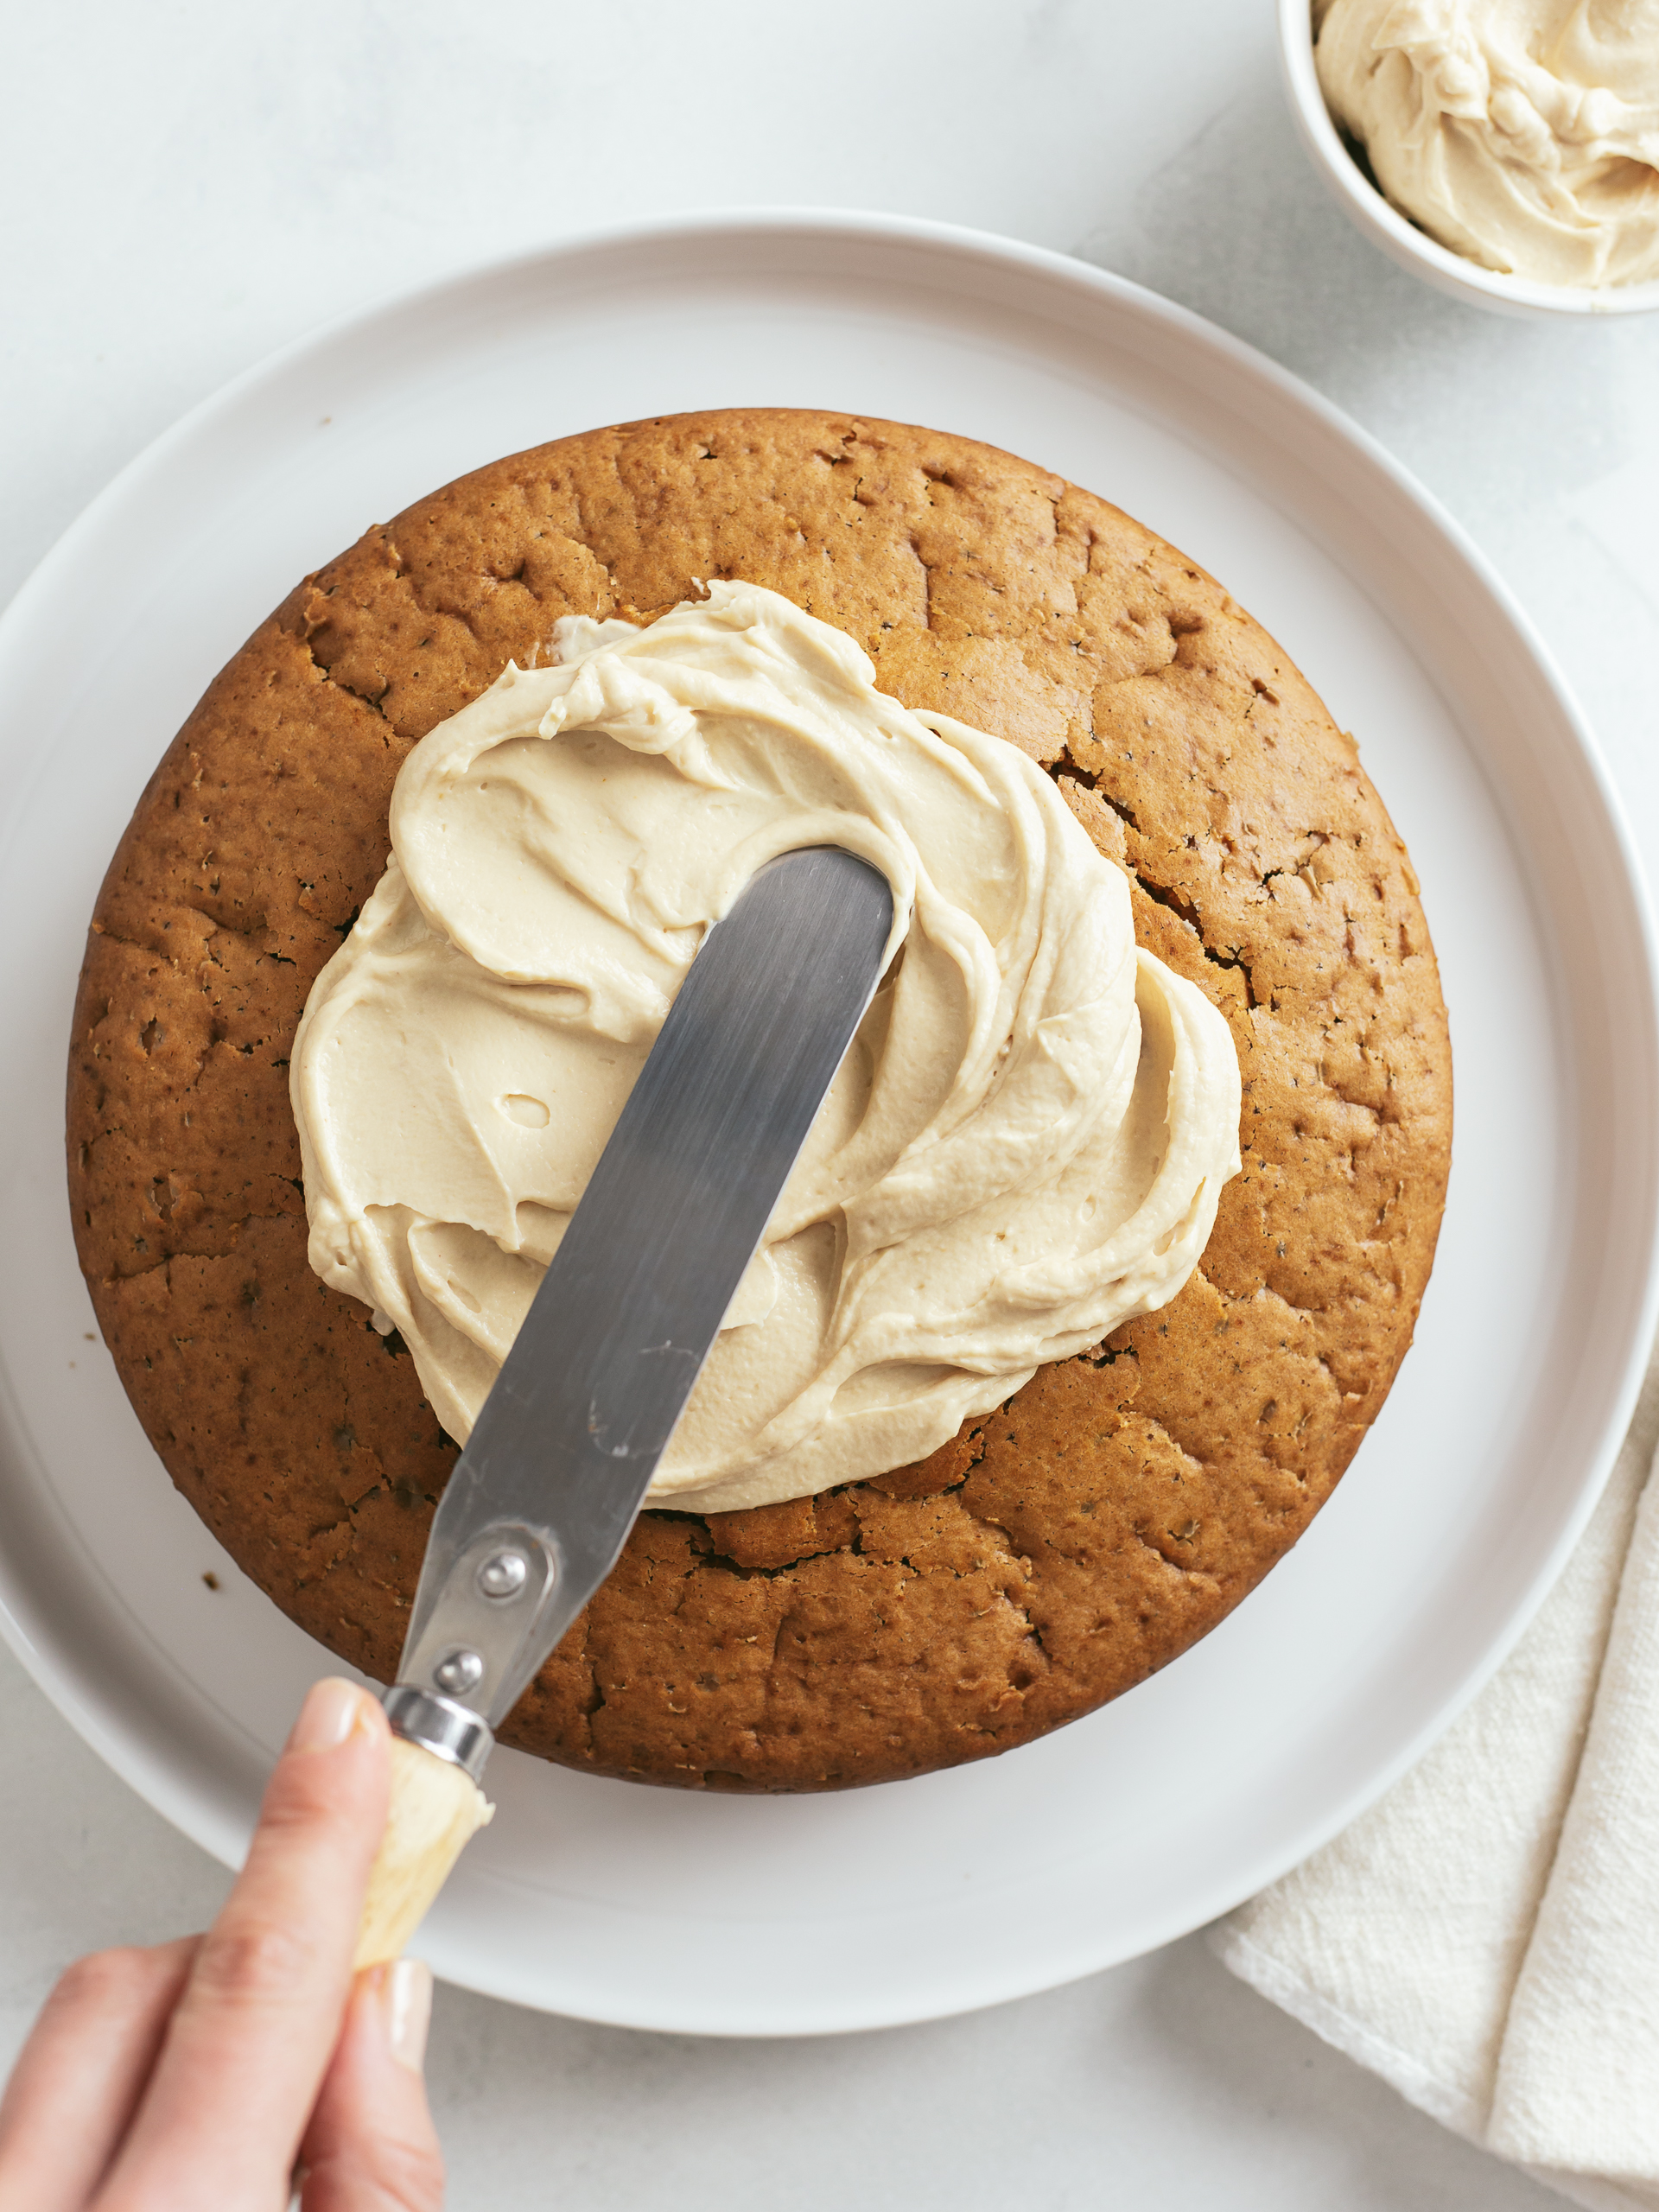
1061,1548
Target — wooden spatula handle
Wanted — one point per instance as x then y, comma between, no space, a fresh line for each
435,1806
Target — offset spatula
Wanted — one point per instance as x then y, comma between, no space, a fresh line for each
542,1499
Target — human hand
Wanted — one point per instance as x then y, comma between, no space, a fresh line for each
194,2076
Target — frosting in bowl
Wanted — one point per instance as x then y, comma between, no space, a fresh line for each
1523,134
1024,1147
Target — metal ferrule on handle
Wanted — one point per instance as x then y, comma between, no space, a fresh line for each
438,1725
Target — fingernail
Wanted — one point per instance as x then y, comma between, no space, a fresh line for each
407,1998
326,1718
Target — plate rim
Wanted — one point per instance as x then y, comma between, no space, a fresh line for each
55,1672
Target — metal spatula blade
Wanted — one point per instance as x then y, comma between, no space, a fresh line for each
542,1497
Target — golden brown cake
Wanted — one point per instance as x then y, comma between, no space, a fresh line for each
1059,1550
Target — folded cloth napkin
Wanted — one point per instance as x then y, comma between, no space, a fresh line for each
1487,1937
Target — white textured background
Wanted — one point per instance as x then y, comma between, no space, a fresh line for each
187,185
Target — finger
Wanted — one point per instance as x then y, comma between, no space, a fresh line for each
81,2075
256,2025
371,2142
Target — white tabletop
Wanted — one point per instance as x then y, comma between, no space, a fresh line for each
192,184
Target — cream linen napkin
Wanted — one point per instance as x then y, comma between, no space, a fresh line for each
1486,1937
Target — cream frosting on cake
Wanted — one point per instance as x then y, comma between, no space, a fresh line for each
1023,1148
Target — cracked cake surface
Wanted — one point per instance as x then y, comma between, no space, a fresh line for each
1062,1548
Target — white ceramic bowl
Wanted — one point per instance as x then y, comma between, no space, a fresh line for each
1401,239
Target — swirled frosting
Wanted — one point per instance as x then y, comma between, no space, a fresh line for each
1523,134
1024,1147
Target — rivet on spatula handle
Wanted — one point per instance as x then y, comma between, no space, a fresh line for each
436,1807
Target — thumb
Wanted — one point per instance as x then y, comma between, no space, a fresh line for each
371,2142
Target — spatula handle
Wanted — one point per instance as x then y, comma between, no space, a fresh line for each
435,1806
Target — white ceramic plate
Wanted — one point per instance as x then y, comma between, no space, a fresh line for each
735,1915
